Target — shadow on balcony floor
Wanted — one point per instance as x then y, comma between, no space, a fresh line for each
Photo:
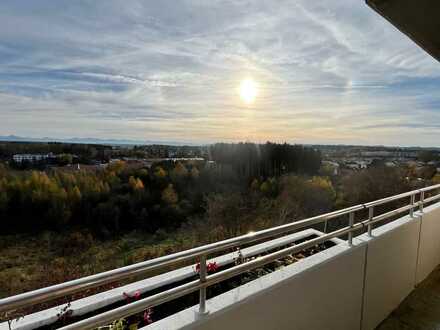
420,310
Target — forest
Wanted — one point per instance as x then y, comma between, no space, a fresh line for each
119,198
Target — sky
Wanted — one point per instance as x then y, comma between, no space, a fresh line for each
330,72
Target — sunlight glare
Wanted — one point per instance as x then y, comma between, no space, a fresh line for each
248,90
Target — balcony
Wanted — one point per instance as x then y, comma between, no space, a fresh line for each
362,267
351,276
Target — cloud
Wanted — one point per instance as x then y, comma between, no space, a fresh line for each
328,72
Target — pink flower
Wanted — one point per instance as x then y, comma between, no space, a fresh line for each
211,267
147,316
198,267
136,295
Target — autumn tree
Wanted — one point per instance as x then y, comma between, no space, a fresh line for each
136,184
179,170
169,195
159,172
195,173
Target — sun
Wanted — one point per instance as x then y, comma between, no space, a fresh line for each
248,90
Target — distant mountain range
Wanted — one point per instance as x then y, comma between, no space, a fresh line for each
119,142
14,138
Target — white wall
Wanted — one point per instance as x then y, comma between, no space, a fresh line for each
391,268
321,292
340,288
429,246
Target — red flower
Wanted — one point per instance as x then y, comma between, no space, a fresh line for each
198,267
136,295
211,267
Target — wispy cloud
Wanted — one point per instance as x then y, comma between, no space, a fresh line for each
328,72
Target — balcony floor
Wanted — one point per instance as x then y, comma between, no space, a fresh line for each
420,310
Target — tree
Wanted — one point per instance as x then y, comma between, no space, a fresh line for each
117,166
267,160
373,183
436,179
427,156
159,172
427,172
169,196
180,170
135,184
4,199
302,197
225,214
265,187
75,195
255,185
65,159
194,173
106,217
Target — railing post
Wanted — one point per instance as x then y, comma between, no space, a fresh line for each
325,226
422,200
351,223
370,218
202,295
411,210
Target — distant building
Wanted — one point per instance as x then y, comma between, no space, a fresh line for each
378,153
353,166
357,164
390,164
20,158
389,154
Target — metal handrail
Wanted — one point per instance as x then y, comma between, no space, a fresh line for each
93,281
179,291
67,288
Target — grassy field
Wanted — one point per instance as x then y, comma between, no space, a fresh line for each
29,262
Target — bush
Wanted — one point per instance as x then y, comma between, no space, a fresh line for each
76,242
